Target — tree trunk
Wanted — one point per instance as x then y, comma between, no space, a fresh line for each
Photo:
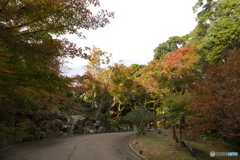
182,121
113,104
174,131
180,137
120,109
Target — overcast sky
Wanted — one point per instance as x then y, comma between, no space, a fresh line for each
137,29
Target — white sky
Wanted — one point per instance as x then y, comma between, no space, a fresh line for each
137,29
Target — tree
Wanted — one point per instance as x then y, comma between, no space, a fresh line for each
141,117
172,44
220,22
154,83
121,86
30,54
216,99
177,111
136,68
95,69
97,58
181,68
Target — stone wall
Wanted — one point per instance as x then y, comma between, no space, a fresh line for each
44,125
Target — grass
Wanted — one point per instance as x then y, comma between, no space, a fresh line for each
154,146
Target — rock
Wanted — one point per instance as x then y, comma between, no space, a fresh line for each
99,122
86,130
10,139
43,135
29,138
65,134
79,130
76,118
88,123
92,119
56,133
44,125
82,120
37,136
52,115
58,122
101,129
61,116
96,125
18,139
107,127
91,131
75,126
115,129
39,116
70,129
64,128
50,134
56,125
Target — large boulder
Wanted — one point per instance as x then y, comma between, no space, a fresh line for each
88,123
10,139
18,139
75,126
29,138
115,129
56,125
70,128
64,128
57,133
44,125
92,131
61,116
101,129
52,115
76,118
39,116
97,124
37,136
82,120
65,134
50,134
86,129
79,130
43,135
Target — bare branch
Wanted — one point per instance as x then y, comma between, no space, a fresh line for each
4,6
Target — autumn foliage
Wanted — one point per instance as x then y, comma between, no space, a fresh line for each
197,76
32,53
216,99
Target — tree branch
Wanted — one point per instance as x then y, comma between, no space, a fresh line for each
38,19
4,6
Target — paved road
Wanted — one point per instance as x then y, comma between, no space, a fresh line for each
107,146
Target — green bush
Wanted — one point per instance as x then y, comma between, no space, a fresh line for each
21,129
105,117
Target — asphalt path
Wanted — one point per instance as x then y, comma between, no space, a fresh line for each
105,146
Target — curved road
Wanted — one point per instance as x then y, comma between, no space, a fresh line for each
106,146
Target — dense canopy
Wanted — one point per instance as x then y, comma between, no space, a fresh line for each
195,76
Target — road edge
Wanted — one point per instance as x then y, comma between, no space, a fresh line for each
135,152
